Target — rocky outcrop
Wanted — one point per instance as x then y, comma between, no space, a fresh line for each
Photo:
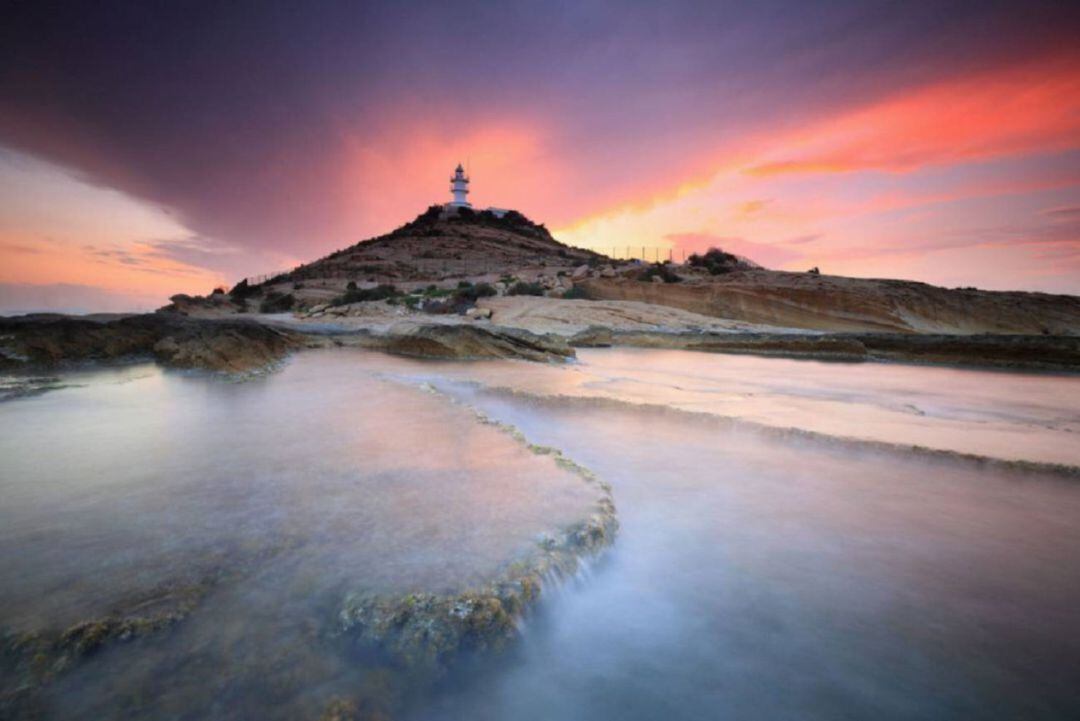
834,303
231,346
235,347
1056,353
470,342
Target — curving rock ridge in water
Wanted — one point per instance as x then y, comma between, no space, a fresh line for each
424,631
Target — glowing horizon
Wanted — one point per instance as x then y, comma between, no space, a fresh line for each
927,151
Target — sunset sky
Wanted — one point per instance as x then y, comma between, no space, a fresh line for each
152,148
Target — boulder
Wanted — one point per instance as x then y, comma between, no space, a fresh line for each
580,272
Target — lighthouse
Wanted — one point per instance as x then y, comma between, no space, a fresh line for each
459,188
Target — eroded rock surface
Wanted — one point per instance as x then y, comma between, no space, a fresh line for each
1058,353
835,303
468,342
233,345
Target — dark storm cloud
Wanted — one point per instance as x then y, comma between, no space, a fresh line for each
234,114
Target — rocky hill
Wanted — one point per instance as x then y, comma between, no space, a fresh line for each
441,243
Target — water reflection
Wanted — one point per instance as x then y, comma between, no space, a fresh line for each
757,574
143,493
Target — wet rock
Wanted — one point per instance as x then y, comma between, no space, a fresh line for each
425,631
237,347
594,336
463,342
174,340
29,661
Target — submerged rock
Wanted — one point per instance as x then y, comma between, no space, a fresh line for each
425,630
29,661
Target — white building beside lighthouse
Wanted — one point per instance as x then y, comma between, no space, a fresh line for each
459,188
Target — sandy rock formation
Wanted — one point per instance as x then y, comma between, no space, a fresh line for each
1055,353
834,303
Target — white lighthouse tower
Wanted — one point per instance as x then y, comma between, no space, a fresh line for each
459,188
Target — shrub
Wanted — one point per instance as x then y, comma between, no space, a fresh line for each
275,302
351,285
715,261
576,293
242,291
472,293
660,270
523,288
464,284
379,292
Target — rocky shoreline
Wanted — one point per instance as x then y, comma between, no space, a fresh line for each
245,345
233,346
240,346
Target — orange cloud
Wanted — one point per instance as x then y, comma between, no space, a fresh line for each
1031,108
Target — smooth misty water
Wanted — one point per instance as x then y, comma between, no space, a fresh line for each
758,574
276,497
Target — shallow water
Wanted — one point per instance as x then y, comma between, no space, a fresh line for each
758,573
768,578
1006,415
278,495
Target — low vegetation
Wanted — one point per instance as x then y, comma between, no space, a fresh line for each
716,261
523,288
384,291
576,293
276,302
663,271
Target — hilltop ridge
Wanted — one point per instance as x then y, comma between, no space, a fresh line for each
442,242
